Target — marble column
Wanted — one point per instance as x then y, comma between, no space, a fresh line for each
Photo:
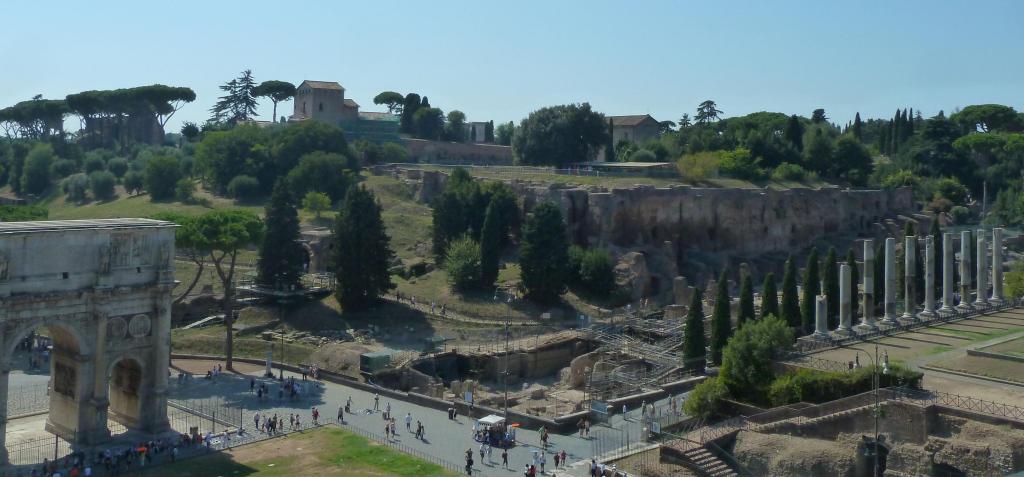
982,263
821,317
929,279
997,267
868,312
845,300
889,318
909,278
947,272
965,271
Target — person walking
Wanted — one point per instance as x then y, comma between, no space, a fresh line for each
408,421
504,458
252,385
376,402
341,414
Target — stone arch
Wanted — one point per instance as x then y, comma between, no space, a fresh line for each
126,379
64,332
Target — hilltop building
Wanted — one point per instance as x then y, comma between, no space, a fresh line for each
325,101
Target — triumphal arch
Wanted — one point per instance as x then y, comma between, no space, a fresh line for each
101,290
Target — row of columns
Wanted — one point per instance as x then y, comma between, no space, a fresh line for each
928,310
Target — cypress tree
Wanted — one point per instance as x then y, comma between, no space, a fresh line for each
544,254
936,233
883,140
609,147
794,133
490,245
910,123
831,277
694,343
894,138
769,297
879,272
362,252
721,319
746,302
281,255
851,260
790,298
858,131
811,289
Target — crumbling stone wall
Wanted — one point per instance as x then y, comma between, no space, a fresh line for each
741,221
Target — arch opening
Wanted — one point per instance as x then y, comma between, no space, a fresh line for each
125,383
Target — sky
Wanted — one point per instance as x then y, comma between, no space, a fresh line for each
501,60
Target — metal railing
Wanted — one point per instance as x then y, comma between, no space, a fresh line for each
957,401
23,400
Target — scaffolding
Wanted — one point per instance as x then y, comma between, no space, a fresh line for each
637,354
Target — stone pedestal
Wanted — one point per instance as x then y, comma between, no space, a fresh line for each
965,271
947,273
929,279
997,267
889,318
981,296
845,301
821,317
868,307
909,279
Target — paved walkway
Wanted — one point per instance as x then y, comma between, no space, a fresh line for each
445,439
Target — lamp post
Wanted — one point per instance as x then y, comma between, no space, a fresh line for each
876,384
508,323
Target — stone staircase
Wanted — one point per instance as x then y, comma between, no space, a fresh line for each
707,464
800,422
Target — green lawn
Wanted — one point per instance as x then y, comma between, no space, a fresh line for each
324,452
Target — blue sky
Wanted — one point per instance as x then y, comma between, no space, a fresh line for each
501,60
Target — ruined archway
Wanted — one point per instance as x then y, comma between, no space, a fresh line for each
99,291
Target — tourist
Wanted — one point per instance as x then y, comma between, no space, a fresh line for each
543,460
587,422
490,449
252,385
348,405
376,402
483,450
341,414
408,421
316,416
558,459
564,456
504,458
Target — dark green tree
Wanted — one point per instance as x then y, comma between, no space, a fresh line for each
694,342
560,135
769,297
818,116
239,100
281,255
362,251
35,176
489,132
747,312
858,128
811,289
707,112
721,318
831,278
543,254
747,359
794,132
276,91
225,233
429,123
491,244
790,297
321,172
406,124
162,173
394,101
597,272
